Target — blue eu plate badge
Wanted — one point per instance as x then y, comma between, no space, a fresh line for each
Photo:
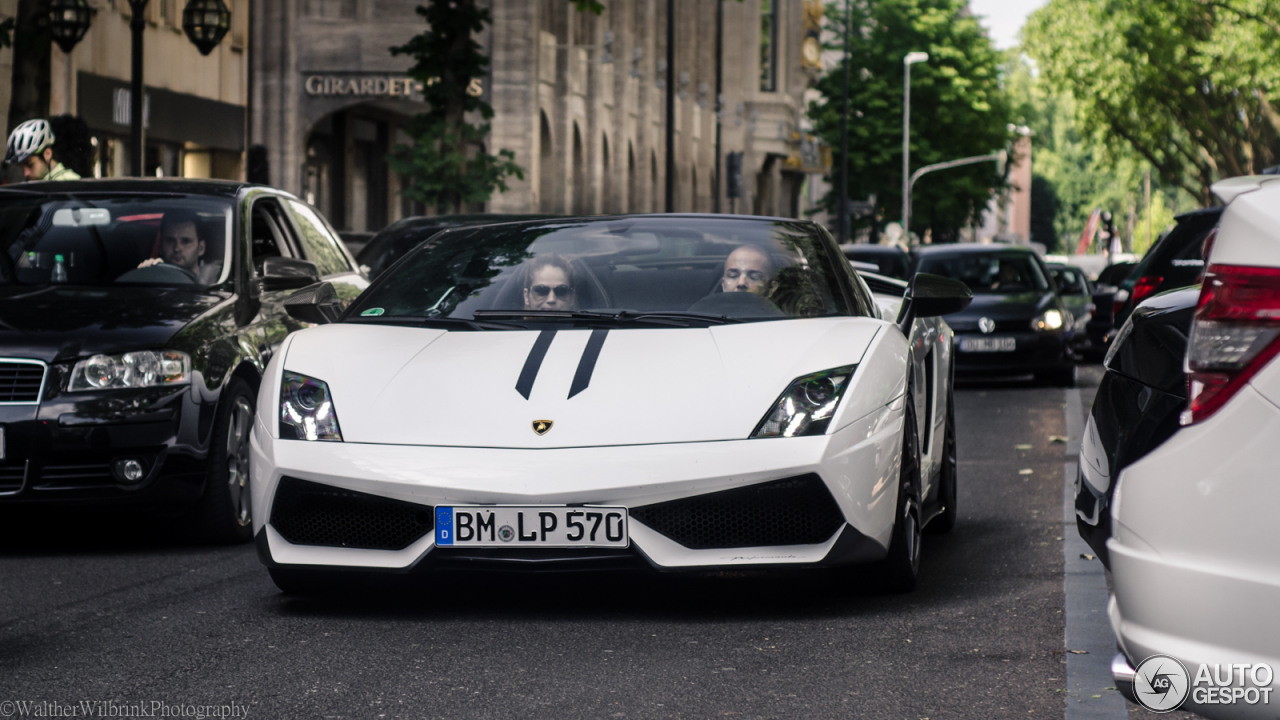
444,526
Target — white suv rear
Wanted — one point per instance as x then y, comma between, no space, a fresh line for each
1195,549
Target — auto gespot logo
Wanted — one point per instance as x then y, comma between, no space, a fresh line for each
1162,684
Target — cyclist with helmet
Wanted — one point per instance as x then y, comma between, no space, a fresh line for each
31,144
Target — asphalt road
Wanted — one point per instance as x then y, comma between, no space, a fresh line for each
94,613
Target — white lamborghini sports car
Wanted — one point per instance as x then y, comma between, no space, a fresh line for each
663,391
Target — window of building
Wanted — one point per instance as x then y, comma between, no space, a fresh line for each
768,45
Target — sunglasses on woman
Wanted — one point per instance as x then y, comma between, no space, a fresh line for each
542,291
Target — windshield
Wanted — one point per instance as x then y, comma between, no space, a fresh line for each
988,273
741,270
110,240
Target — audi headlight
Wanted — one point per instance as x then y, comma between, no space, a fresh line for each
306,409
146,368
807,405
1049,320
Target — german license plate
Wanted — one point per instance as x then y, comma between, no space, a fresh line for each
531,526
994,344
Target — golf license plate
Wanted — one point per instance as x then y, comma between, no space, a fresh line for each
531,526
992,344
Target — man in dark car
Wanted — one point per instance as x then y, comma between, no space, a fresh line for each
183,243
135,387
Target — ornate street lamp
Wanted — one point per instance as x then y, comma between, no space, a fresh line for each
68,22
206,22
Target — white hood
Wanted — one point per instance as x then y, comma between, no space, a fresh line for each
400,385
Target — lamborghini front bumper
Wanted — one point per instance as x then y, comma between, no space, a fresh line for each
858,466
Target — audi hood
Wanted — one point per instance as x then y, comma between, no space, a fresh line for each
413,386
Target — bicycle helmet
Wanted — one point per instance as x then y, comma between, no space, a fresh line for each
29,138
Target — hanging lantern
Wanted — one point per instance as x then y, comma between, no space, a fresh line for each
68,22
206,22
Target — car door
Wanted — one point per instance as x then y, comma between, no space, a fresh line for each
321,245
270,235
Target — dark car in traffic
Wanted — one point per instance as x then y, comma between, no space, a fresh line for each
1175,261
1017,323
1102,323
1138,406
401,236
136,318
1077,294
891,260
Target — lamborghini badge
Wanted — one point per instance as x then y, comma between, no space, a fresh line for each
542,427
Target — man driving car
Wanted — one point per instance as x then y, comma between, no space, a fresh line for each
182,244
748,269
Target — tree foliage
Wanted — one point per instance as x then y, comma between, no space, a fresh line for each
958,109
447,166
1187,85
1078,171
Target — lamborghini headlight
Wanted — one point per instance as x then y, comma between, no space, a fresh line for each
145,368
1049,320
807,405
306,409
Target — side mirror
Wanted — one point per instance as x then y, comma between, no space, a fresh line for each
317,304
279,273
932,296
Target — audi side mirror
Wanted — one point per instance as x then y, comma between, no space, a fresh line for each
932,296
279,273
317,304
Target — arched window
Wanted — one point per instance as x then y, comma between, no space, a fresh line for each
579,175
606,181
653,182
546,173
693,196
633,181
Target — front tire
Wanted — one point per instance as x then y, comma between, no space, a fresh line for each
224,514
901,567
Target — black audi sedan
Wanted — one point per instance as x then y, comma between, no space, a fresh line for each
136,318
1017,323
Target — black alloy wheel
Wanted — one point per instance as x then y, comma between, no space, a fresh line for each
901,567
943,522
224,514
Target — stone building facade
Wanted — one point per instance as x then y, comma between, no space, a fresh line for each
579,98
197,105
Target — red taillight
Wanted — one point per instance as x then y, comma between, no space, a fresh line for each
1236,332
1142,289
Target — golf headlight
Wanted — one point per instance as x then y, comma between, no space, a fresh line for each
306,409
1049,320
146,368
807,405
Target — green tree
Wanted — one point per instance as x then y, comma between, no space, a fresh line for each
447,166
1077,168
958,109
1187,85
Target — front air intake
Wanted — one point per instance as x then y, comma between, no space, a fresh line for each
307,513
794,511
